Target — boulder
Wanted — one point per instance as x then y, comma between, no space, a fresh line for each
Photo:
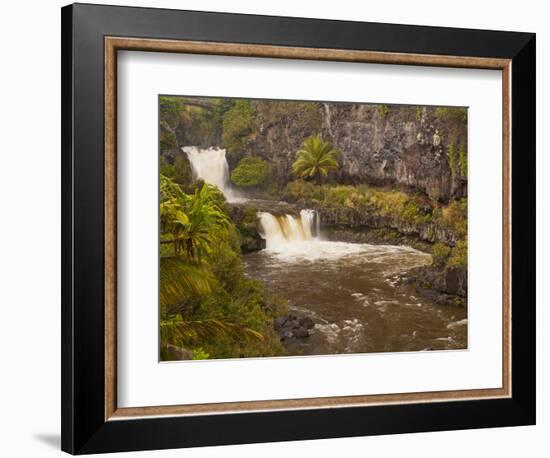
301,332
306,323
178,353
279,322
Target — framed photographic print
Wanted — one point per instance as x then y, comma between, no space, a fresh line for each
281,228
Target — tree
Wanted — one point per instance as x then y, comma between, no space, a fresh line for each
315,159
194,225
171,109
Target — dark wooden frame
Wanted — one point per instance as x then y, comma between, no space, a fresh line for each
91,35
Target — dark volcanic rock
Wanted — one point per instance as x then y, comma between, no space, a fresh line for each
306,323
279,322
290,327
301,332
176,353
247,223
442,284
351,218
403,145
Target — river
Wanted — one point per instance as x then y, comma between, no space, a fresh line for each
350,292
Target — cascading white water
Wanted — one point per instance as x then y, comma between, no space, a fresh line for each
277,230
328,118
210,165
309,218
298,238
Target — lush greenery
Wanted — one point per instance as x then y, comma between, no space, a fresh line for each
251,172
209,307
440,253
400,206
178,169
207,303
315,159
238,126
170,109
378,201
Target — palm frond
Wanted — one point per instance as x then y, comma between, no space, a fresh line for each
188,333
180,279
316,158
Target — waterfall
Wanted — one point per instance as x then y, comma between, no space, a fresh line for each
328,118
277,230
210,165
308,218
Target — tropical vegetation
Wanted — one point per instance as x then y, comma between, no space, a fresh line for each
315,159
208,306
251,172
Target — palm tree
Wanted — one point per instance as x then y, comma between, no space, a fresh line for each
315,159
193,225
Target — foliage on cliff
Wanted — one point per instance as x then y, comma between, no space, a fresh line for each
206,300
424,148
238,126
251,172
400,206
315,159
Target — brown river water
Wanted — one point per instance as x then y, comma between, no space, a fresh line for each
351,292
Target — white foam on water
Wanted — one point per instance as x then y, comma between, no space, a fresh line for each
297,239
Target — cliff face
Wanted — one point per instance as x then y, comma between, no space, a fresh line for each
379,144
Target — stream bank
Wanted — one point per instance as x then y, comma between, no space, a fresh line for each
442,283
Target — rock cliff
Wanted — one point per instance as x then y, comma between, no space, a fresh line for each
414,147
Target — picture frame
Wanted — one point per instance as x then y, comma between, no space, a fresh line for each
92,35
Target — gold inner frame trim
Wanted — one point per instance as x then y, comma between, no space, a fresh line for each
114,44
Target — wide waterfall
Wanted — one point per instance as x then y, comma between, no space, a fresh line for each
210,165
288,228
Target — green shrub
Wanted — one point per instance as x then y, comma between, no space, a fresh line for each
455,217
251,172
459,254
434,194
383,110
200,354
302,190
410,211
440,253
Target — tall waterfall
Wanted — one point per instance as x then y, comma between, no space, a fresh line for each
277,230
328,121
210,165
